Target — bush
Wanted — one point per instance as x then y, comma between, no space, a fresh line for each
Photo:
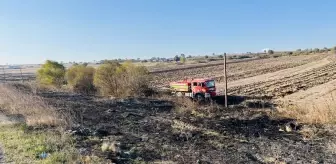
80,78
211,59
333,50
51,74
316,50
243,56
182,60
276,55
201,61
121,80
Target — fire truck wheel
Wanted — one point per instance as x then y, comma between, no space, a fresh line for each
199,97
179,94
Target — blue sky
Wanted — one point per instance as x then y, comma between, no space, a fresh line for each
32,31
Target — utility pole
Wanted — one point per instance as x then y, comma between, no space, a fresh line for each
4,72
225,81
21,74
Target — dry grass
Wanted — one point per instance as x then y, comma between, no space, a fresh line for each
18,99
183,105
321,110
331,147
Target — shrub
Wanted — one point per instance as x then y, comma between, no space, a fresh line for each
120,80
202,61
51,74
182,59
176,58
316,50
276,55
325,49
211,59
333,50
80,78
270,52
243,56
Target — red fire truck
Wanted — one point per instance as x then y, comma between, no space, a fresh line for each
199,89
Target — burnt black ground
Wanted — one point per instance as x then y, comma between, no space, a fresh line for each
2,157
150,130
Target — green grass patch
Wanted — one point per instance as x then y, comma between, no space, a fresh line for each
21,144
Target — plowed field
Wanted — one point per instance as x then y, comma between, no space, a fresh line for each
236,71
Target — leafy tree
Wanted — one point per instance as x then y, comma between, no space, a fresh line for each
51,74
182,59
176,58
316,50
270,52
298,50
120,80
80,78
333,50
206,56
221,56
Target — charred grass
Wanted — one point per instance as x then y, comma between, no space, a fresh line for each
164,129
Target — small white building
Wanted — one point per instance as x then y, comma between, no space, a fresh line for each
265,50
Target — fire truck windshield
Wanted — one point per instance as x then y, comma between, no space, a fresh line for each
210,84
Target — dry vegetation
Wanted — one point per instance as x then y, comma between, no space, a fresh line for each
137,128
319,111
20,101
